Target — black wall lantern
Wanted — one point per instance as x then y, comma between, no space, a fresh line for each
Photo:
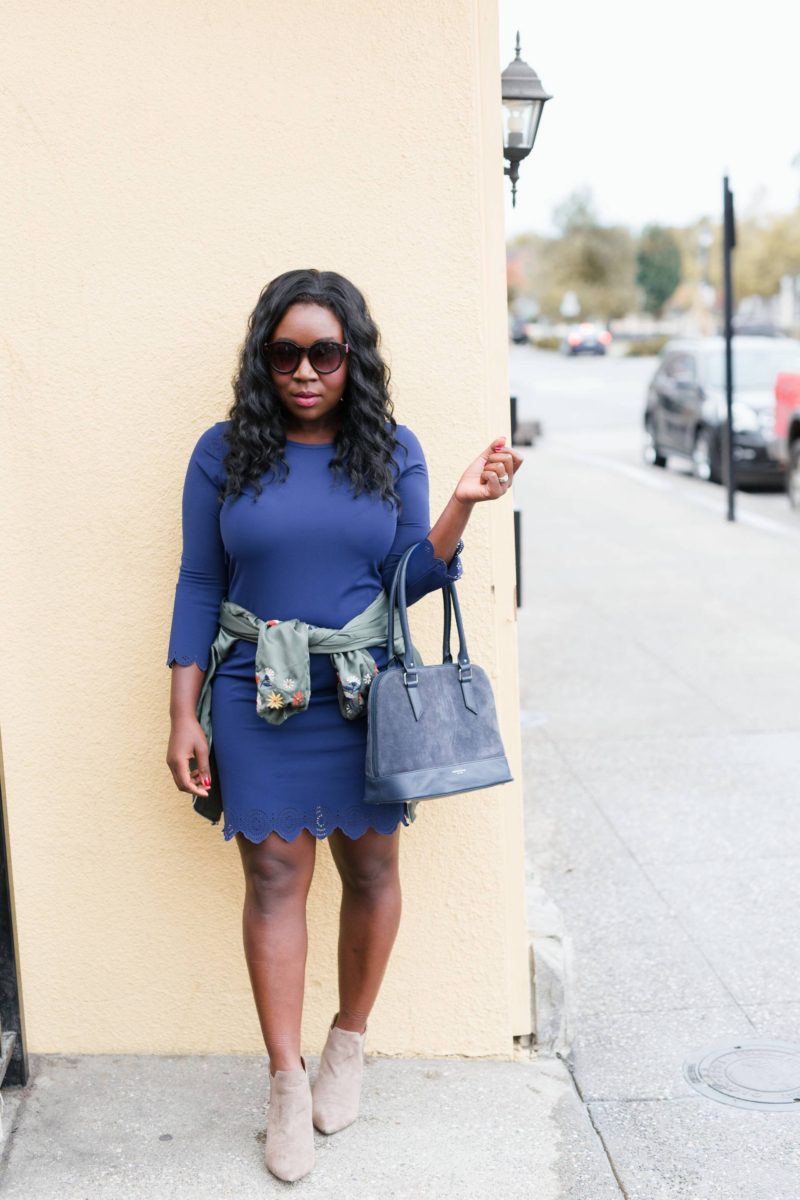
523,101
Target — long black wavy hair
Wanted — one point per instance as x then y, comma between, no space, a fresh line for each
365,440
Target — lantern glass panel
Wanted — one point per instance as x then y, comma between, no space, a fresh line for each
538,106
518,117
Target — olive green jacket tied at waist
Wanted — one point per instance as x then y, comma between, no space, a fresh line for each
282,665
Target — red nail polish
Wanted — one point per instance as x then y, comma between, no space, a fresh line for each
207,781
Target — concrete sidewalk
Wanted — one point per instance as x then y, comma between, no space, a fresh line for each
661,727
124,1127
660,654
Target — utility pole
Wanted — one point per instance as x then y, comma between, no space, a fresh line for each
728,243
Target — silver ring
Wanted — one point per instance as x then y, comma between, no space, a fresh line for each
502,479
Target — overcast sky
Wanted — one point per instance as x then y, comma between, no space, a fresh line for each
653,103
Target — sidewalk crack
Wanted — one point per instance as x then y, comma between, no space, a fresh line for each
598,1132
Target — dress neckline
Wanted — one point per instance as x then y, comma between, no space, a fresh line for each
310,445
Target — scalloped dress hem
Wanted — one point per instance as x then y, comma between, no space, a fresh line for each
229,830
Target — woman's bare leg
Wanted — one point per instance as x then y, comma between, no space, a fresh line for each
369,918
278,876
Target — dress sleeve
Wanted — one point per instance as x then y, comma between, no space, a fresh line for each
425,572
203,573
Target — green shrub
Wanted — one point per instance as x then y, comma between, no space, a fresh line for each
547,343
646,347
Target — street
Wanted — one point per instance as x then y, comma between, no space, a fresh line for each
591,411
660,669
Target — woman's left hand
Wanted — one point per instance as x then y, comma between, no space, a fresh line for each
491,474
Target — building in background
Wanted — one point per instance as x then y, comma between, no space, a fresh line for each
163,163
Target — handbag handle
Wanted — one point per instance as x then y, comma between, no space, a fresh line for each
448,607
393,655
397,595
450,597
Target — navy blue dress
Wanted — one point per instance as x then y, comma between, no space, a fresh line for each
308,548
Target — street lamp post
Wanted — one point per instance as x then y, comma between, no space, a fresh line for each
728,243
523,101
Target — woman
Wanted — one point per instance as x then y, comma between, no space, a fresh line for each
299,506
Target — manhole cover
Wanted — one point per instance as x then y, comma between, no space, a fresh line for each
749,1073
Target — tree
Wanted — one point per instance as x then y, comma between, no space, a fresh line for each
766,249
595,262
592,260
603,264
577,211
658,267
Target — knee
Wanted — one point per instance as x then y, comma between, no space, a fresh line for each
271,884
372,879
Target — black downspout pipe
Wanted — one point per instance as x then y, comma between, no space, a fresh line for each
13,1051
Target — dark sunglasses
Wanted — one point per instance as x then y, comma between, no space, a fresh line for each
325,356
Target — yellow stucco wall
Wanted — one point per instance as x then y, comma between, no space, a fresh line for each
163,161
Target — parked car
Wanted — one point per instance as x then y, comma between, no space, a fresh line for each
756,329
685,409
585,338
787,429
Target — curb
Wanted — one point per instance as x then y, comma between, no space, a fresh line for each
551,965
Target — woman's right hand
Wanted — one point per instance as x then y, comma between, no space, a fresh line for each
186,741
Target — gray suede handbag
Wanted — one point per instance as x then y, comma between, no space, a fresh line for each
431,731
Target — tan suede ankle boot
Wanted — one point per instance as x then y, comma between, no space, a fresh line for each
289,1151
336,1093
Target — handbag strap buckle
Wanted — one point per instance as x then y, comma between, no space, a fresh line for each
410,678
465,673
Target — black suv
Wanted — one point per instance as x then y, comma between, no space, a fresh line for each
685,407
